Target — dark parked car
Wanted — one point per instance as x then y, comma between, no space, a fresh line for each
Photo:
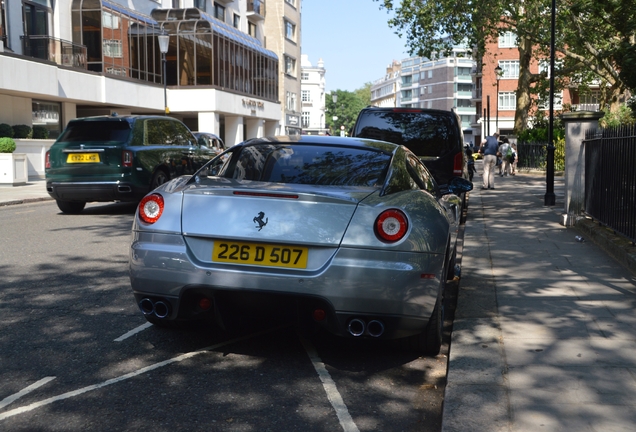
211,141
119,158
349,234
435,136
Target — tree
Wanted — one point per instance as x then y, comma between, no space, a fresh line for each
589,41
346,109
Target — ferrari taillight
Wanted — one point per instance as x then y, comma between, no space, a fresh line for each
391,225
47,160
151,208
458,164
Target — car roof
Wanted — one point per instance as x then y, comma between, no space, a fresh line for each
324,140
406,109
130,118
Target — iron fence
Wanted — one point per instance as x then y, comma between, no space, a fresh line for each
610,178
531,155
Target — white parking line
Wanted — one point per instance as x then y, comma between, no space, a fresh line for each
141,371
6,401
133,332
330,388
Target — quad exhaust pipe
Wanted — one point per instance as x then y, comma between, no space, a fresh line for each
160,308
358,327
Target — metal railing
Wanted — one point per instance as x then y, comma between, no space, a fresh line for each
610,178
256,6
60,51
531,156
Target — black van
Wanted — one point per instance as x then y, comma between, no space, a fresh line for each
435,136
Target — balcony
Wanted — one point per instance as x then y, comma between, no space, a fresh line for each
255,10
58,51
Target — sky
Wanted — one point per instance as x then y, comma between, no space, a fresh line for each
353,39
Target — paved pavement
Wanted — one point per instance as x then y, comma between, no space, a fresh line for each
544,337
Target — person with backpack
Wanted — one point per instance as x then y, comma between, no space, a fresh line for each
505,152
489,148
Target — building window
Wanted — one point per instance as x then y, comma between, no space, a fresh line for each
219,12
290,101
430,73
507,101
251,29
291,2
510,68
305,96
110,21
112,48
304,76
200,4
305,119
508,40
407,94
290,31
290,66
407,80
47,114
237,21
544,103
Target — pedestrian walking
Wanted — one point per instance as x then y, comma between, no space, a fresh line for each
505,153
515,158
489,149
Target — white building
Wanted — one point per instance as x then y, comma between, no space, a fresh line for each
385,92
72,58
313,96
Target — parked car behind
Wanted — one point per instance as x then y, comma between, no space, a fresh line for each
435,136
119,158
353,235
211,141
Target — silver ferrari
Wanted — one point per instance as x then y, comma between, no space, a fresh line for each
350,234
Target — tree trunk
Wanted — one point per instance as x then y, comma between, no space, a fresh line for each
524,99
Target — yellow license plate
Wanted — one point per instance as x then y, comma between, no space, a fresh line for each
82,158
260,254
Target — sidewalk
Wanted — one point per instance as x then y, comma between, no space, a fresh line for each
34,190
544,337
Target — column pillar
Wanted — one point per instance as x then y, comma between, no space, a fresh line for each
209,122
233,130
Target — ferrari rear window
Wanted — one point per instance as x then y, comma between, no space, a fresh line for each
311,164
99,131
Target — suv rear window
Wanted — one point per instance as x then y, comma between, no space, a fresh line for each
426,134
83,131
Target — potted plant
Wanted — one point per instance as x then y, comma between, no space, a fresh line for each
13,166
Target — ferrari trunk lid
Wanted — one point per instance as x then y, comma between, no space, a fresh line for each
255,212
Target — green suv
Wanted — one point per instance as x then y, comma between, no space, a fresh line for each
119,158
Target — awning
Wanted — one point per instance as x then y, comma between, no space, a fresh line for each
129,12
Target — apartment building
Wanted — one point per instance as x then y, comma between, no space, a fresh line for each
385,92
312,88
444,83
72,58
283,36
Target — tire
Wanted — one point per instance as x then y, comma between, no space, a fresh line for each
71,207
158,178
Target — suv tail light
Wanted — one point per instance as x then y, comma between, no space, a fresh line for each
391,225
127,158
47,160
458,164
151,208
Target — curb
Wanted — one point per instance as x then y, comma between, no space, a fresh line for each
615,245
24,201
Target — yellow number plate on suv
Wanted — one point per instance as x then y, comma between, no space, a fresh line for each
260,254
82,158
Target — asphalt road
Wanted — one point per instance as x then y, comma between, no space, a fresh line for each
77,355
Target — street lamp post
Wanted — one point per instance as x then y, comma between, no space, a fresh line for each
498,72
334,98
550,198
164,41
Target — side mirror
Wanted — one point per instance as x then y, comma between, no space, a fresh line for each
458,185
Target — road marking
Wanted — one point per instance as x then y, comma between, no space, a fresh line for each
330,388
6,401
141,371
133,332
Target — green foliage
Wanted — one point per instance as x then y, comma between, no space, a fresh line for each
559,154
624,116
7,145
40,132
347,107
6,130
21,131
538,132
